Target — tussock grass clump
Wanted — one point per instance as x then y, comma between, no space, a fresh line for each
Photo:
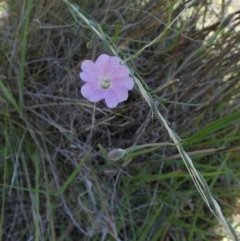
57,180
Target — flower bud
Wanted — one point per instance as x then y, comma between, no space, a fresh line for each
89,45
116,154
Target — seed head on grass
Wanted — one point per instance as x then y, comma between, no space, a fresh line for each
106,79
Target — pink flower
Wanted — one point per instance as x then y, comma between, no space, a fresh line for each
106,79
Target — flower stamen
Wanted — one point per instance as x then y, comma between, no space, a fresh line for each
105,84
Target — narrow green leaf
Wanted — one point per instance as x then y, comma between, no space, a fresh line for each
147,229
177,174
35,159
144,151
73,175
225,121
8,95
24,52
115,37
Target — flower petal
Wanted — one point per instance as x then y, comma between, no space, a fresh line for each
98,96
113,64
85,77
102,63
121,93
92,92
127,82
119,72
111,99
88,90
89,68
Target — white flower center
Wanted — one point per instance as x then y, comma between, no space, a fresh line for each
105,84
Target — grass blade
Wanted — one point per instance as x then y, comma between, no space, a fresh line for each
9,96
223,122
